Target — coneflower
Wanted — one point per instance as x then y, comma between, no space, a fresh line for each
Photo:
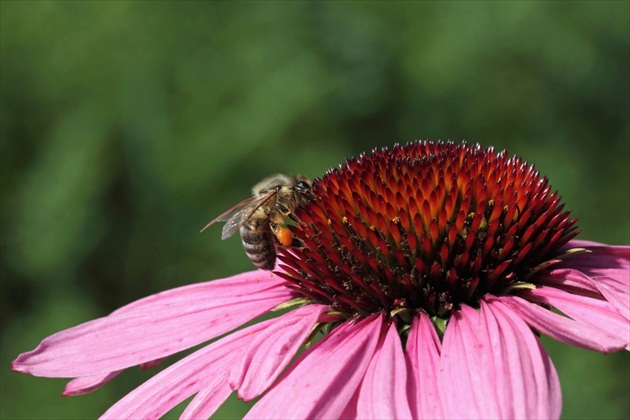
429,269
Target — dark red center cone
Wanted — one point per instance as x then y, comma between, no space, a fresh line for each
424,226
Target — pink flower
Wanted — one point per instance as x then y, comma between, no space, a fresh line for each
429,269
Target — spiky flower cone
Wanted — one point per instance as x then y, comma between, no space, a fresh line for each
426,226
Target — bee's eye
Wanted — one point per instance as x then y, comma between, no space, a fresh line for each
302,186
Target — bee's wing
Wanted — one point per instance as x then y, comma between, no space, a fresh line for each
226,215
245,211
238,215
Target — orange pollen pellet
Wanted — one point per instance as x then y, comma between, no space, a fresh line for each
284,236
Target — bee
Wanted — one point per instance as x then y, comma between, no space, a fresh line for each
260,218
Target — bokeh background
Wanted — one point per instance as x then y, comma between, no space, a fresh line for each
126,126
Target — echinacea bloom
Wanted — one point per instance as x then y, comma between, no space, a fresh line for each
429,269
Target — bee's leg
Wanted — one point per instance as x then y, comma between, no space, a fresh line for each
297,243
296,219
284,236
285,212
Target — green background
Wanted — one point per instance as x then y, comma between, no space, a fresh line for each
126,126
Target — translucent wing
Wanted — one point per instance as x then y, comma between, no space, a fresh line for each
238,215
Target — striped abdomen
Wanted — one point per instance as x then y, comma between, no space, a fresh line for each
258,242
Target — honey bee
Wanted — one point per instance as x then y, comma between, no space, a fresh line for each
260,218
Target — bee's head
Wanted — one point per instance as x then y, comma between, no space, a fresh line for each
302,187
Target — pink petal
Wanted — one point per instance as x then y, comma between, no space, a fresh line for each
493,367
272,350
324,378
602,260
205,370
164,324
382,393
462,378
584,271
527,385
152,363
251,280
207,401
598,313
560,327
616,293
350,412
87,384
567,279
604,271
423,359
580,243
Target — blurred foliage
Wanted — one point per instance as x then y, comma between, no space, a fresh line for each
126,126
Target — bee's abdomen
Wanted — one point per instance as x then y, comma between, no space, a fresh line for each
259,244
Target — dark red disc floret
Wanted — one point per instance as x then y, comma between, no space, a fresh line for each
428,225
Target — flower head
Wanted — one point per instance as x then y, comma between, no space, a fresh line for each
427,226
428,268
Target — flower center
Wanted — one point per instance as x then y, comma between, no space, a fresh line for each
424,226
